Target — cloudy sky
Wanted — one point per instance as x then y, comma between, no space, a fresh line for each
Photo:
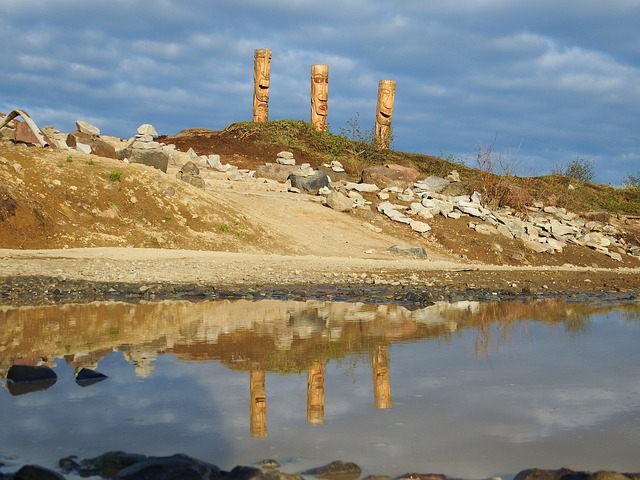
543,81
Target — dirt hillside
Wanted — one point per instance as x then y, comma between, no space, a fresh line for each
54,199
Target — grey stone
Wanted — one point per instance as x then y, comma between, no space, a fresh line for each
153,158
36,472
169,468
432,184
309,183
274,171
415,252
339,201
338,468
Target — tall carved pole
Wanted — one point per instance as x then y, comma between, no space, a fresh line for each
258,407
261,79
382,131
315,393
381,386
319,96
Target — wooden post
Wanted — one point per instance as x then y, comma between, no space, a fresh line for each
258,408
315,393
261,80
319,96
381,386
386,95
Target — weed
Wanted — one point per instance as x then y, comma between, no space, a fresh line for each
497,182
153,239
69,159
632,181
115,176
224,228
166,218
579,170
90,161
452,159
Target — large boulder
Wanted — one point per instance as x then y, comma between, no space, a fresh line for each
385,177
310,183
169,468
275,171
155,158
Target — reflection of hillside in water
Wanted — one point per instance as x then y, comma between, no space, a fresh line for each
267,335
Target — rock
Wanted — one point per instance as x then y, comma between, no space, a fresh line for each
86,377
272,171
539,474
456,188
285,158
309,183
245,473
103,149
35,472
339,201
152,158
28,373
87,128
362,187
189,168
147,129
77,136
432,184
385,177
343,470
415,252
410,174
454,176
169,468
106,465
390,210
336,166
419,227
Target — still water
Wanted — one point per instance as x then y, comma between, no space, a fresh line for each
468,389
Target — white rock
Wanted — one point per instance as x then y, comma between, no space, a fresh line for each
362,187
336,166
285,154
86,127
83,147
285,161
419,227
147,129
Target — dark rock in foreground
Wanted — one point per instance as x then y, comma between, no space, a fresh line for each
128,466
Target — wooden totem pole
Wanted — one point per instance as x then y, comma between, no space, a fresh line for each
319,96
381,385
315,393
382,131
258,407
261,79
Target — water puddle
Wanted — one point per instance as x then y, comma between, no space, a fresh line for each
467,389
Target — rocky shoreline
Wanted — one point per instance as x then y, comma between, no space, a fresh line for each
40,290
129,466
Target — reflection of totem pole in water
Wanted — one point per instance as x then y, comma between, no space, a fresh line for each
382,131
315,394
381,387
261,79
319,96
258,409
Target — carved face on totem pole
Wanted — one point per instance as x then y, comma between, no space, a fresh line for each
319,96
261,80
386,95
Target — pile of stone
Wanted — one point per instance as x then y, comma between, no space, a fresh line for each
545,229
